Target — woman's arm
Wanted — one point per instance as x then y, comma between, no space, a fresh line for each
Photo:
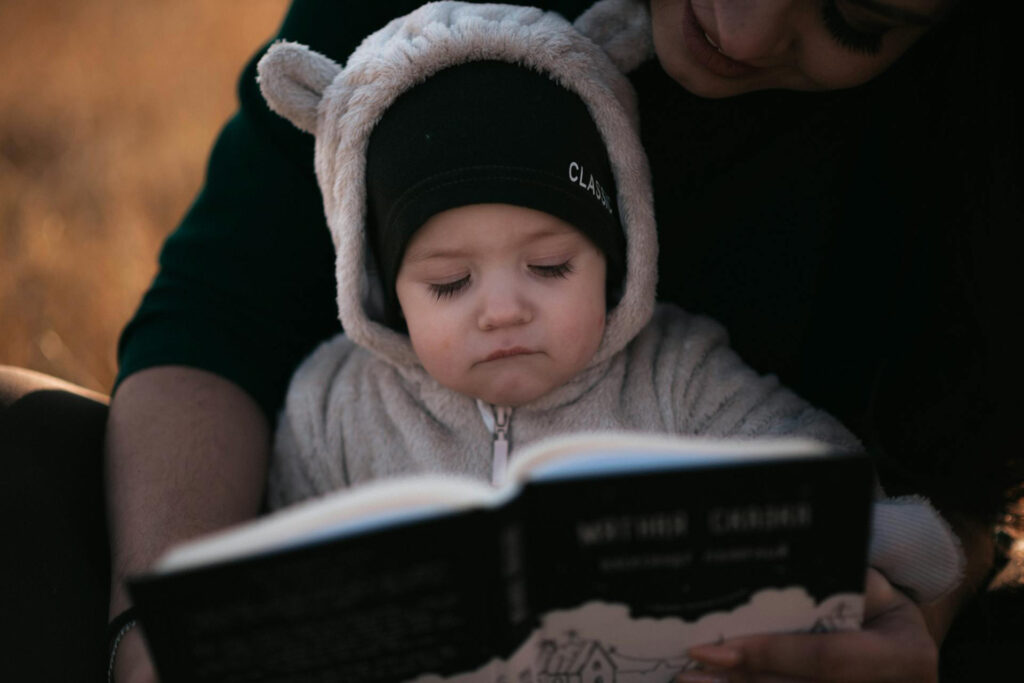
186,454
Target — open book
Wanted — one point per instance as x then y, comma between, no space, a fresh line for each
603,557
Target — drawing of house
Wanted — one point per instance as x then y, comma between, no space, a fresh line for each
575,661
581,660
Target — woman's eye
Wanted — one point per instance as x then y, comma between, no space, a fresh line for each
447,290
561,270
863,39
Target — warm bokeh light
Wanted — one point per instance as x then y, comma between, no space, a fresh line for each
108,110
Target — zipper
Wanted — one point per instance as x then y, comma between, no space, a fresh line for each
499,462
497,420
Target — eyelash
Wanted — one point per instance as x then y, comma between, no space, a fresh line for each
854,39
447,290
561,270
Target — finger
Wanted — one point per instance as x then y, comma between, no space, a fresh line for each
768,678
880,595
855,656
894,645
718,676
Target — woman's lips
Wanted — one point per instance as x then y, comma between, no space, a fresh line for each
706,54
506,353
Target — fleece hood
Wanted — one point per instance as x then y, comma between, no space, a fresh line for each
341,105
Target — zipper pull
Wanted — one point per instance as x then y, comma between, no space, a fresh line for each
499,465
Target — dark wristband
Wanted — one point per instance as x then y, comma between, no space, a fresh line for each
118,623
116,629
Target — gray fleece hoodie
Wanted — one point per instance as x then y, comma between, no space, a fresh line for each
362,406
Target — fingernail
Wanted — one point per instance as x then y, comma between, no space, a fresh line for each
699,677
716,655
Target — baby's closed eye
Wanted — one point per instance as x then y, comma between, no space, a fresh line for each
561,270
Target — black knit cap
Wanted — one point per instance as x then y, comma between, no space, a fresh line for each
487,132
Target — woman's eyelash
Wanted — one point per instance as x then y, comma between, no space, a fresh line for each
850,37
561,270
449,289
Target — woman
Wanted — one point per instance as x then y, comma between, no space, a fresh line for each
818,190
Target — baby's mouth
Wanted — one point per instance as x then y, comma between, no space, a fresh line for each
508,353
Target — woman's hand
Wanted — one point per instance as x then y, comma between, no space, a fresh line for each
894,645
132,663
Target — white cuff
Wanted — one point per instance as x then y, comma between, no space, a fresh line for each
915,548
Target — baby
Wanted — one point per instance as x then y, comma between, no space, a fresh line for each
491,208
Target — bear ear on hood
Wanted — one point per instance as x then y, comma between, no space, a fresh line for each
292,79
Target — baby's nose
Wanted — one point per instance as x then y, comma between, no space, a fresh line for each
503,306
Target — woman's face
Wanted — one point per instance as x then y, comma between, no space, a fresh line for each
720,48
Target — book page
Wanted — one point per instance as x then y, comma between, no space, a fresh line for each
347,512
608,453
605,641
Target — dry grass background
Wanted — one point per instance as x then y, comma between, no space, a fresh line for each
108,110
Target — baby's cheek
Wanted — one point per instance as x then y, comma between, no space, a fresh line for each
584,335
600,318
440,352
447,345
595,323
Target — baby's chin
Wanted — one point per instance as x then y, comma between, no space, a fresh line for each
512,392
512,399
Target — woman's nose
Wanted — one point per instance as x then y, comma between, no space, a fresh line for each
756,32
503,305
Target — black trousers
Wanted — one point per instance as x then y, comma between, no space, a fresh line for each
54,594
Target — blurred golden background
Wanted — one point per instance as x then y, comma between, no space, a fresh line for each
108,110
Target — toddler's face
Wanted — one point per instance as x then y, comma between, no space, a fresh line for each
502,303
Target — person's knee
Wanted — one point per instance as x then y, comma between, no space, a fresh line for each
16,383
51,449
42,415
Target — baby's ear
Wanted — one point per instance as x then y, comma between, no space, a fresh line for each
292,79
